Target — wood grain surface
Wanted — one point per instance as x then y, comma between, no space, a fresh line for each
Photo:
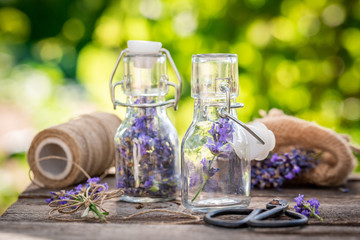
28,218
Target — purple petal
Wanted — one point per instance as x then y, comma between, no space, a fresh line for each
93,180
299,200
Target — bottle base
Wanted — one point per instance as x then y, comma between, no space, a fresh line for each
145,199
216,204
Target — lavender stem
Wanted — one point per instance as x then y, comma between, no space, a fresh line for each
308,208
205,178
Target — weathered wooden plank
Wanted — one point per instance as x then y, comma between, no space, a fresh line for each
336,209
28,230
28,218
352,185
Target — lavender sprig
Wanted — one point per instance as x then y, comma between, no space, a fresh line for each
208,172
279,168
309,208
146,148
80,194
221,134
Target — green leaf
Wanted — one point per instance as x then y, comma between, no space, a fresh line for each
86,212
154,188
105,213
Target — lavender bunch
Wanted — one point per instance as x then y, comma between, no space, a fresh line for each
145,146
77,197
309,208
221,134
276,168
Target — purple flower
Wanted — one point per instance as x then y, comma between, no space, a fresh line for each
276,168
93,180
289,176
313,202
105,185
212,171
157,155
140,123
203,162
299,200
208,171
63,198
305,212
296,169
274,157
308,208
70,192
149,182
212,130
221,135
79,188
215,148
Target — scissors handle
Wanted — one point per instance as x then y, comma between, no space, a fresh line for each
255,218
297,220
210,217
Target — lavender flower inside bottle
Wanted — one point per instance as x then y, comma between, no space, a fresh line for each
147,167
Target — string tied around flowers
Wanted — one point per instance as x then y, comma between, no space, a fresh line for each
91,198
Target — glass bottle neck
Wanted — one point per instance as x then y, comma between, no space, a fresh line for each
144,99
206,109
149,111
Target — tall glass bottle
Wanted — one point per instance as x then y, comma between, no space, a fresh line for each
217,147
147,158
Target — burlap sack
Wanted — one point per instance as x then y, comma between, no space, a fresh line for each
337,160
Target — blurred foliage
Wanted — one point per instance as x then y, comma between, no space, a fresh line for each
302,56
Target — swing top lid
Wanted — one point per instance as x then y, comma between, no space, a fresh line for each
143,47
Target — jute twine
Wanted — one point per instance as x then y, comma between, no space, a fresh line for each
86,141
72,206
98,197
337,160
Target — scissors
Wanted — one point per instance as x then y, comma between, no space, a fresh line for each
255,217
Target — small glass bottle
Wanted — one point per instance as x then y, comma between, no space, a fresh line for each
147,158
217,147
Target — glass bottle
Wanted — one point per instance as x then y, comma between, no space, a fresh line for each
217,147
147,156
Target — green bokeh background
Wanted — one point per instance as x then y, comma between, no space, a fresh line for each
302,56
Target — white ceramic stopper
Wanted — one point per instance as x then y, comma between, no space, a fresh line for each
256,150
144,47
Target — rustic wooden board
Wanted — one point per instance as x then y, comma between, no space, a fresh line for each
28,230
28,218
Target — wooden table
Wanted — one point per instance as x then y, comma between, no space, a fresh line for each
28,219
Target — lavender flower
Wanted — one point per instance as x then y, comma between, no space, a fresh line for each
277,169
208,171
146,156
79,189
93,180
309,208
221,133
79,193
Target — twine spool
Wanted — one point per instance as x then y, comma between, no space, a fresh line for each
87,141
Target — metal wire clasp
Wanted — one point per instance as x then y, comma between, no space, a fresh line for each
169,103
224,112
